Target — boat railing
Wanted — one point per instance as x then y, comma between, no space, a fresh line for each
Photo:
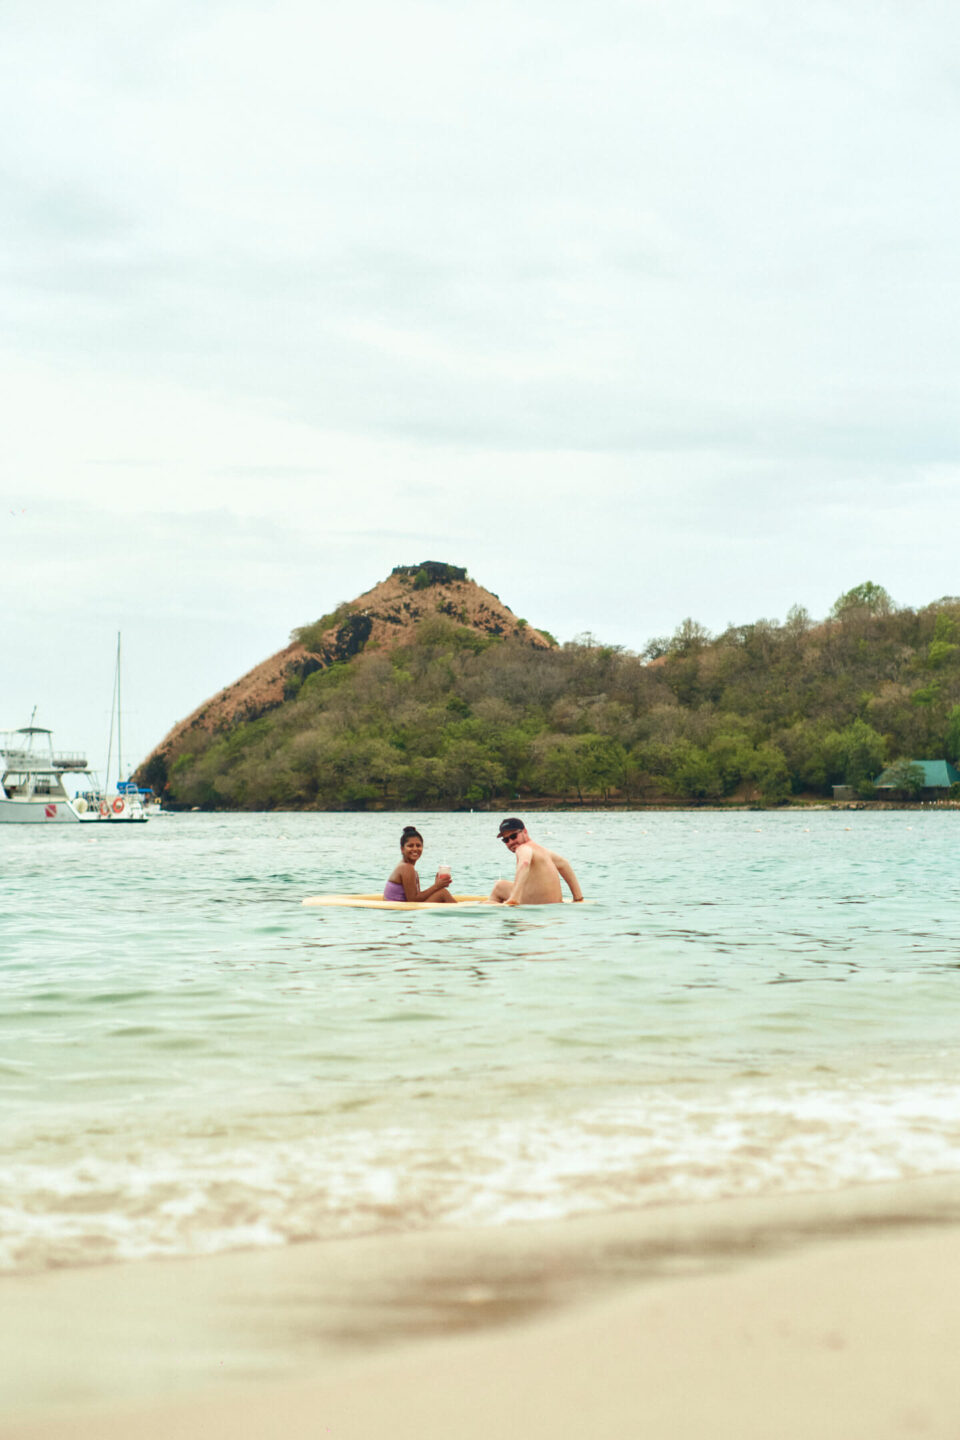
24,760
18,759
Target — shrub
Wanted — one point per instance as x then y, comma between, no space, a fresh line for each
311,636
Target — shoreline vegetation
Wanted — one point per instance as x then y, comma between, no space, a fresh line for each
813,1314
565,803
395,702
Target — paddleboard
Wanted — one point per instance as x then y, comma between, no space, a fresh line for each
377,902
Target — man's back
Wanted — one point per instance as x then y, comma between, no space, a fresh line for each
541,884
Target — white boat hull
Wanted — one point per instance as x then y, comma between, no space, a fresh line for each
39,811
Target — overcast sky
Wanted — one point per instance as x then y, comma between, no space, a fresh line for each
639,309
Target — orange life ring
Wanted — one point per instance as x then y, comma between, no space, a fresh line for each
104,809
118,806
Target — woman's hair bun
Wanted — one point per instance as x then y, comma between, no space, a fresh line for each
410,830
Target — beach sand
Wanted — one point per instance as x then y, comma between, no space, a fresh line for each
829,1315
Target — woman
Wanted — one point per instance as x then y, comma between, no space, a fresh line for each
404,882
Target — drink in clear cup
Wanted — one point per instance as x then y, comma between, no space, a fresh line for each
444,869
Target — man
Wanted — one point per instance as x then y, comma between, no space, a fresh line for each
537,881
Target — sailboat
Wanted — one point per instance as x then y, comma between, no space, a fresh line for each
125,804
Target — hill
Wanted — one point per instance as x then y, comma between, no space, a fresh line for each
428,692
382,619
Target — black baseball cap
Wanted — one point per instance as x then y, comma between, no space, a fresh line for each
507,827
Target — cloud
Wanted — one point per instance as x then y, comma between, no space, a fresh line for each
636,310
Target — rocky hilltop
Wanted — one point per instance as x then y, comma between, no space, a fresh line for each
381,619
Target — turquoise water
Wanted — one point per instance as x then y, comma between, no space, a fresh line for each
192,1061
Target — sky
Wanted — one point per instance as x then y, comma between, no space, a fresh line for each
637,310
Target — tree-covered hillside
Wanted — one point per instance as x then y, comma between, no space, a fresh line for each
457,718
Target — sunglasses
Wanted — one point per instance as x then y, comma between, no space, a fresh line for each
512,836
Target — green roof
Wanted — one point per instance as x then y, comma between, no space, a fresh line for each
937,775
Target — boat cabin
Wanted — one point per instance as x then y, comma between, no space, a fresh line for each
32,770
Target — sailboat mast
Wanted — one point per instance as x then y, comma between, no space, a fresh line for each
119,720
113,717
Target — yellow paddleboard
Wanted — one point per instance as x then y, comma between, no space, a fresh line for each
377,902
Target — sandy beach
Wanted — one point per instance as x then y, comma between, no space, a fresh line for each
817,1315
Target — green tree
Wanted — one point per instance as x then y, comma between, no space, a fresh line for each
470,772
939,652
698,776
904,775
867,598
689,638
853,754
733,757
768,770
953,734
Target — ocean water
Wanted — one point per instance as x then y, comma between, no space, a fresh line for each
191,1061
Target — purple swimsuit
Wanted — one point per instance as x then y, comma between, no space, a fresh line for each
393,891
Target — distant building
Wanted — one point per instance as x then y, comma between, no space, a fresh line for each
937,775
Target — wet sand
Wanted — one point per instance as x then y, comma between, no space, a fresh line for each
805,1316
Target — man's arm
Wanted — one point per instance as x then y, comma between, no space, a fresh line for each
524,855
566,872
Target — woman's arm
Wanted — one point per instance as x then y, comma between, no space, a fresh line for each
407,877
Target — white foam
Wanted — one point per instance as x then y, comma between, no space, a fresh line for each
648,1148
